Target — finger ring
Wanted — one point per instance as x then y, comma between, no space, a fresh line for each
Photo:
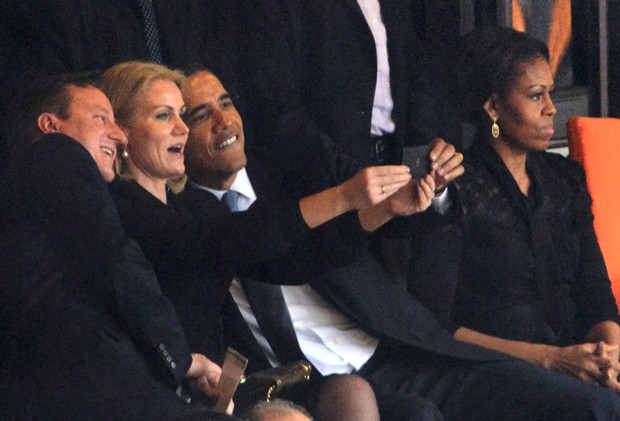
382,189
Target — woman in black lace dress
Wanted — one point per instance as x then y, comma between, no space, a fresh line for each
522,271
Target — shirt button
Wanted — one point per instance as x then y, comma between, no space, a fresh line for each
162,347
165,352
173,365
168,359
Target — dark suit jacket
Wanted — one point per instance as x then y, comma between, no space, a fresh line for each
85,329
196,254
310,68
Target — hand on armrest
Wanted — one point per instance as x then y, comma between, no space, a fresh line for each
586,361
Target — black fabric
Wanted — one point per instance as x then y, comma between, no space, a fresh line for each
151,33
274,320
521,267
86,330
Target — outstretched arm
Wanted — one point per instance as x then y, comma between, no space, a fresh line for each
367,188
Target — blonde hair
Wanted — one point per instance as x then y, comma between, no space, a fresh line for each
124,82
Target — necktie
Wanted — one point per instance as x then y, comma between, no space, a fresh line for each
269,308
231,199
150,30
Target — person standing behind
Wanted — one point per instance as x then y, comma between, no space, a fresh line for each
85,331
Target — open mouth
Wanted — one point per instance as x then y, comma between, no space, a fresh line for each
227,142
178,148
108,151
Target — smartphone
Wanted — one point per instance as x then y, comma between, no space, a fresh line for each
417,159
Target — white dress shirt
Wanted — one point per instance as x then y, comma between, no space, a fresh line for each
328,339
383,104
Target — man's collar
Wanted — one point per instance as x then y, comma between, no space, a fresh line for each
241,185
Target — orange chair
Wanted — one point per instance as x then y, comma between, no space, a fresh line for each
595,143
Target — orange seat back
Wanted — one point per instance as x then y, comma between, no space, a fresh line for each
595,143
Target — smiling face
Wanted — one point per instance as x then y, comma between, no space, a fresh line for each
91,123
525,115
156,134
215,147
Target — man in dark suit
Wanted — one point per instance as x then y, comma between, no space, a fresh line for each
352,319
85,331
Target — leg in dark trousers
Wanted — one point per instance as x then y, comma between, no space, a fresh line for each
504,390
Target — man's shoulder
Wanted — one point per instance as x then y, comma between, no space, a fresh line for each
198,200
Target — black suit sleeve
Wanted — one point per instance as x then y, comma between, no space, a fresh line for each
64,186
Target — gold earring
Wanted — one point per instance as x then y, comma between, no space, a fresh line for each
495,128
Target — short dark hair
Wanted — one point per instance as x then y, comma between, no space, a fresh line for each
46,94
489,60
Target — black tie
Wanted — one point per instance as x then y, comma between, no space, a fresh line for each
150,30
269,308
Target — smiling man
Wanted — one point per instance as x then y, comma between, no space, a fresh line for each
216,152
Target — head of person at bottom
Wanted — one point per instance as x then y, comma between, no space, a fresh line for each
215,146
503,85
149,107
278,410
69,104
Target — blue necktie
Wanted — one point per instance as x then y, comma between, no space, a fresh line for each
150,30
269,307
231,199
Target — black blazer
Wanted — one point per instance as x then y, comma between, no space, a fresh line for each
310,68
85,329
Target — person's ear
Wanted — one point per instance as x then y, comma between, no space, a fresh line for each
48,123
491,107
